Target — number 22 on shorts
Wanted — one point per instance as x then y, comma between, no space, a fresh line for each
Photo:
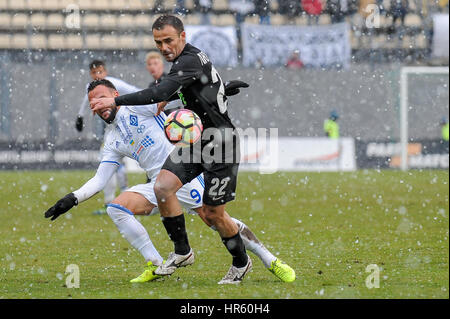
218,194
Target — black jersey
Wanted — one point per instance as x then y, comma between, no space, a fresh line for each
157,81
195,81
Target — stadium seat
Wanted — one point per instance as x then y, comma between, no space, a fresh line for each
17,4
19,41
408,42
273,5
55,21
390,43
3,5
63,4
143,21
5,41
135,5
109,41
92,41
170,4
377,41
74,41
126,21
34,4
413,20
52,5
118,4
193,19
324,19
91,21
56,41
386,4
190,4
221,4
127,42
5,20
277,19
354,42
108,21
38,41
88,4
412,5
38,20
384,21
146,42
223,20
19,21
421,41
102,5
301,20
253,19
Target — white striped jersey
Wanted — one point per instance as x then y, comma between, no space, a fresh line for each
137,133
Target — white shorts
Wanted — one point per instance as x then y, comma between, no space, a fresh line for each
190,195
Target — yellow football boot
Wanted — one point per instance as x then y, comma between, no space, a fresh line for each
148,274
282,271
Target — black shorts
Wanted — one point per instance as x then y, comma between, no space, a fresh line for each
220,175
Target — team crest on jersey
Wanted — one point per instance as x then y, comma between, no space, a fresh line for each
133,120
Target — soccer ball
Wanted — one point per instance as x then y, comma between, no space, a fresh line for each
183,127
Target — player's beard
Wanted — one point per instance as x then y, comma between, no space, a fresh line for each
111,117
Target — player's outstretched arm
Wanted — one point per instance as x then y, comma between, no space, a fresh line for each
97,183
154,94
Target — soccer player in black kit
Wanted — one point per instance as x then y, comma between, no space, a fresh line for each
195,81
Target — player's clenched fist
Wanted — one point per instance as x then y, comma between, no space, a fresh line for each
61,206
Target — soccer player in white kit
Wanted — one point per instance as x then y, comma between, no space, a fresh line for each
97,70
136,132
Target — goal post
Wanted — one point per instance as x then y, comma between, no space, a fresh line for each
404,105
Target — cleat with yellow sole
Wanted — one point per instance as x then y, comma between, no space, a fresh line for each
147,275
282,270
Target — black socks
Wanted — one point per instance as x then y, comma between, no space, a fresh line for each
236,247
176,229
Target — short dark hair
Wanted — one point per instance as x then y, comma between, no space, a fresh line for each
96,63
104,82
168,19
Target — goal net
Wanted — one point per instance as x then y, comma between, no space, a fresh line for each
424,101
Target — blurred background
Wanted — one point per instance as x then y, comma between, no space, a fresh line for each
307,62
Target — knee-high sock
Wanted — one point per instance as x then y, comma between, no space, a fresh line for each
121,175
133,231
176,229
110,190
252,243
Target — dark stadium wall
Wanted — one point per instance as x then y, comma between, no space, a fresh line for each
41,95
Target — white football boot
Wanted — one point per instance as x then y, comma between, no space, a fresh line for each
235,275
175,261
